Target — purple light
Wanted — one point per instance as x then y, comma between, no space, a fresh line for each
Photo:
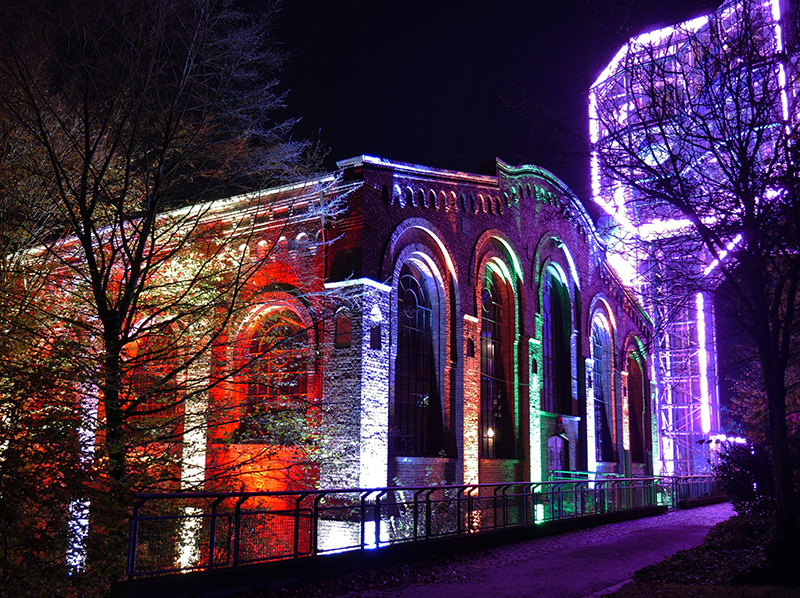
705,410
723,254
650,39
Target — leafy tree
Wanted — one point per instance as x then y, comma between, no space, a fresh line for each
121,122
694,130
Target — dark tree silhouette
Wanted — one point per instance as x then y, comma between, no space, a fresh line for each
121,123
694,129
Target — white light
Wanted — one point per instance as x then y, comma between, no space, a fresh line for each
369,534
594,124
188,545
723,254
651,38
78,530
359,281
776,10
658,228
596,181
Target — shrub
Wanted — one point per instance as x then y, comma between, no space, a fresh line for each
744,474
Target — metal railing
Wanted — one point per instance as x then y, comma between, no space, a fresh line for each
687,488
173,532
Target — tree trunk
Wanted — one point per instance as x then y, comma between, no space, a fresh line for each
785,543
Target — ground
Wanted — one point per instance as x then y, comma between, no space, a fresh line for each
594,562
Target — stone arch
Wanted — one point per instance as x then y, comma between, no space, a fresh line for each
499,241
244,431
552,249
422,231
408,198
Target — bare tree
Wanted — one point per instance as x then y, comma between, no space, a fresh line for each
694,134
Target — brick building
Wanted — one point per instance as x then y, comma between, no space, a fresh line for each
474,332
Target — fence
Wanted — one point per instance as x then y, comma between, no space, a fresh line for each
173,532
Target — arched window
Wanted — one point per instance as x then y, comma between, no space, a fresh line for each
277,381
636,409
418,424
605,450
497,425
556,385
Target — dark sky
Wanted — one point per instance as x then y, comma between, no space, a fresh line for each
455,84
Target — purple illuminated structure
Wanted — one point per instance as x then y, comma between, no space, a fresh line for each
631,103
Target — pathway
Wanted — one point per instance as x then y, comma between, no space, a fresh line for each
576,564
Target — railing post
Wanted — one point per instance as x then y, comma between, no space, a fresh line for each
581,488
377,519
470,509
428,514
300,498
363,518
603,489
237,528
525,509
134,539
315,523
212,541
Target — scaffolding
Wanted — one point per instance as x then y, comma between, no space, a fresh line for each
678,376
631,109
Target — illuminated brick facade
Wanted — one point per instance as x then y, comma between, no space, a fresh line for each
435,327
450,389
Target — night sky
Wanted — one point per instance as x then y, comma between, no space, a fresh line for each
427,83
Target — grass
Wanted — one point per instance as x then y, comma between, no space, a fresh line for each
729,563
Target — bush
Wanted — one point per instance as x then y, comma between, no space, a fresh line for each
744,475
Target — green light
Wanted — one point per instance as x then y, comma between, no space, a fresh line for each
514,259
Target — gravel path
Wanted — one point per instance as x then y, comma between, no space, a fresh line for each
575,564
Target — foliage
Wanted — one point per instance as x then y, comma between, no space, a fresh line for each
743,474
731,548
120,123
693,135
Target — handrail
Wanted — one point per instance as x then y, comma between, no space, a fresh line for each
180,531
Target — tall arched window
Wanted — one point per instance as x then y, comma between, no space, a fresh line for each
556,367
418,424
497,425
605,449
277,381
636,409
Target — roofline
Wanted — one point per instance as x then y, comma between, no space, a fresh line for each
417,169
